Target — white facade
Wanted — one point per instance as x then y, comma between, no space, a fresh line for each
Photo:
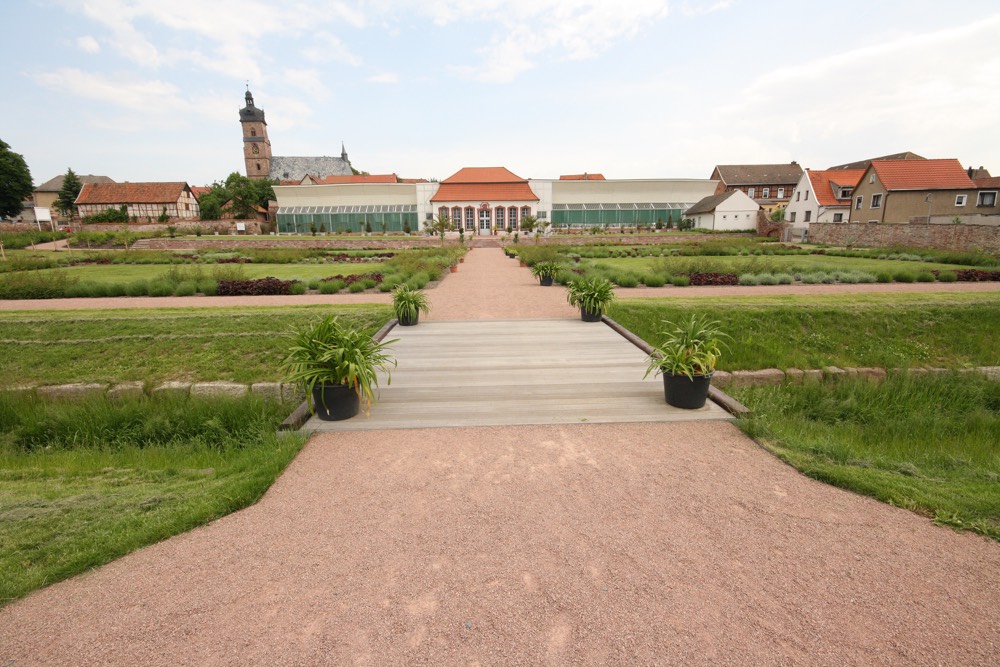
804,206
737,212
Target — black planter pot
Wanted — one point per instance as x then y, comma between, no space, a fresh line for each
546,281
588,316
409,322
684,392
334,402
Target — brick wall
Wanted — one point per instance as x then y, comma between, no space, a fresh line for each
945,237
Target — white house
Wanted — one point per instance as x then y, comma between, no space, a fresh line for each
822,196
731,211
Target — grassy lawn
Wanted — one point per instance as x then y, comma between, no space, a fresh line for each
767,264
126,273
930,444
237,344
84,483
885,330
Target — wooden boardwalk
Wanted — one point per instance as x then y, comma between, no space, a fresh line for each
507,372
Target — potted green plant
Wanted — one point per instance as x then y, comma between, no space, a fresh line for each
686,358
338,367
545,272
592,296
407,304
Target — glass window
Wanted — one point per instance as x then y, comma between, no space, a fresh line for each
512,220
987,199
791,217
751,192
470,219
781,193
809,215
456,215
857,202
807,195
765,193
838,217
877,200
798,195
500,217
525,211
959,200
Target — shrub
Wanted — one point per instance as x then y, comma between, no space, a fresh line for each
653,280
161,288
680,281
35,285
314,283
925,277
847,277
369,283
883,277
812,278
784,278
865,277
116,289
208,287
297,287
947,277
749,280
356,287
137,288
904,276
258,287
331,286
186,288
626,279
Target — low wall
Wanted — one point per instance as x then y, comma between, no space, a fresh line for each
182,226
945,237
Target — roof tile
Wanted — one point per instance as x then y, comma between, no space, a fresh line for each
826,184
131,193
922,174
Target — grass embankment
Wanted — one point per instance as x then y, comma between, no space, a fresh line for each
85,482
233,344
930,444
925,442
767,264
126,273
883,330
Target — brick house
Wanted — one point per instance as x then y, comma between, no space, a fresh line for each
770,185
901,191
143,201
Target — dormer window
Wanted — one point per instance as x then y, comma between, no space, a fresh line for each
871,179
845,193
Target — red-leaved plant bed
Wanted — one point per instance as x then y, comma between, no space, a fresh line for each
354,277
699,279
257,287
974,275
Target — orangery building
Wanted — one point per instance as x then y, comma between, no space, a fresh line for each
485,201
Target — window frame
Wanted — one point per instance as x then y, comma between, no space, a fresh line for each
781,193
979,199
961,200
765,193
876,200
859,201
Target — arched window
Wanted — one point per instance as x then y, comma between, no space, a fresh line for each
512,219
525,212
470,219
500,217
258,166
442,211
456,216
253,132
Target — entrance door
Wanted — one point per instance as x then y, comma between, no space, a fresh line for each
484,222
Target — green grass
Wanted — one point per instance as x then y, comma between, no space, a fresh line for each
83,483
126,273
767,264
885,330
930,444
235,344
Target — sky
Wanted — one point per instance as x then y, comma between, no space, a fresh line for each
150,90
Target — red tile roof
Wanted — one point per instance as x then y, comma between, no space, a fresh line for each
199,190
484,192
484,184
484,175
131,193
993,182
583,177
826,185
922,174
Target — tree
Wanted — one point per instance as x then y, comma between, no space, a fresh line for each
243,194
15,181
528,223
70,190
778,214
441,224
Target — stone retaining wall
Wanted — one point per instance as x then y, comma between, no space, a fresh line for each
234,242
290,392
963,237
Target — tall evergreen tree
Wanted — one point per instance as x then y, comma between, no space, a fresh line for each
70,190
15,181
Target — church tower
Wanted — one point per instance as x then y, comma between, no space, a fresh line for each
256,145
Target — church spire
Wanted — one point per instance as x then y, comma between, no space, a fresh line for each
343,152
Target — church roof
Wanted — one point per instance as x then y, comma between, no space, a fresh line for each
251,112
55,184
131,193
284,168
484,184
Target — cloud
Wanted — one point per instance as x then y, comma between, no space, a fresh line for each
526,31
330,48
88,44
307,80
384,77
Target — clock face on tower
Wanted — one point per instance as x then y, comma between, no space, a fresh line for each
255,149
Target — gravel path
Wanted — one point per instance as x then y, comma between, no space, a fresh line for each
624,544
680,543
